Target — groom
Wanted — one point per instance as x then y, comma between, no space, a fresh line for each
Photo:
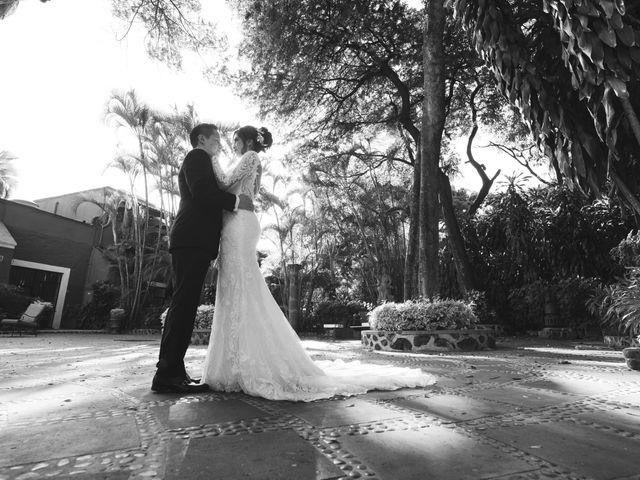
194,240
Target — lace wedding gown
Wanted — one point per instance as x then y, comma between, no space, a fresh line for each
253,348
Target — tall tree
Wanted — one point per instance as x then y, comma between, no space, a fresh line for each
127,111
431,139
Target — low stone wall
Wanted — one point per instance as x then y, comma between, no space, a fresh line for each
436,340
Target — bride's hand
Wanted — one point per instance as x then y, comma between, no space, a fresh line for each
245,203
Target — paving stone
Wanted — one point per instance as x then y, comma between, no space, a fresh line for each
434,452
205,413
30,444
577,386
624,419
402,393
525,397
584,450
455,407
631,398
335,413
122,475
270,455
72,402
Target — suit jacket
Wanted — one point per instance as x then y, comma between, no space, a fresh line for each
199,219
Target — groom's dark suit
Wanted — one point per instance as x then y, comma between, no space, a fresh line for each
194,241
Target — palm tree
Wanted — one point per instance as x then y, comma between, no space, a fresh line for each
125,110
7,173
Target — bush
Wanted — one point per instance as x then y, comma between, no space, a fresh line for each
13,301
627,252
423,315
570,296
478,302
619,304
346,313
95,314
204,317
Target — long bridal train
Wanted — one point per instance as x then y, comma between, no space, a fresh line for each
253,348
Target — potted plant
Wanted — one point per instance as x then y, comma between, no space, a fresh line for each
632,356
116,319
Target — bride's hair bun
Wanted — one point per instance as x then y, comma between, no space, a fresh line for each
261,137
265,136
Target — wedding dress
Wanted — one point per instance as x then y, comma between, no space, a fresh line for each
253,348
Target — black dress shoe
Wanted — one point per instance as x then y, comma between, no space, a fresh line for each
177,385
191,379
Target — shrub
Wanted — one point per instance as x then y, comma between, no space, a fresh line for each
204,317
423,315
13,300
570,296
95,314
619,304
478,302
345,313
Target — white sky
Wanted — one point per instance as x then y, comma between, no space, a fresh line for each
60,61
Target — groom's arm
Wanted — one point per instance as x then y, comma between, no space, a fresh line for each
202,184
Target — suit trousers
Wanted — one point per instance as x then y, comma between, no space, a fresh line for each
190,267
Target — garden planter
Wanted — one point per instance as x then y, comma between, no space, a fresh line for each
200,336
429,340
116,319
632,357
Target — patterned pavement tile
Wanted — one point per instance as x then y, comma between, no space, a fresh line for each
584,450
454,407
42,442
433,452
335,413
185,414
279,455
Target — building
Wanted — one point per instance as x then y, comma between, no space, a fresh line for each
52,248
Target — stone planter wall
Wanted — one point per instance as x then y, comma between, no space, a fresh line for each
435,340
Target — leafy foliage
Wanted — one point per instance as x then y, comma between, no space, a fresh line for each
525,240
423,315
13,301
345,313
95,314
572,69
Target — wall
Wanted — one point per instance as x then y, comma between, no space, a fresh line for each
49,239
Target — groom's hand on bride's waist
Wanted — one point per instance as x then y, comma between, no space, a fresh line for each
245,203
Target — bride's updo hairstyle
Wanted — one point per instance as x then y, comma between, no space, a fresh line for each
261,137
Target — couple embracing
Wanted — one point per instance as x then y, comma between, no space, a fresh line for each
253,348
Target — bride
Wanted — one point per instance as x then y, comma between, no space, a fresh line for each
253,348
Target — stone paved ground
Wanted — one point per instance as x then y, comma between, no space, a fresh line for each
79,406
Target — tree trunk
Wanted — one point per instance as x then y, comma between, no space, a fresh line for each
432,126
293,270
464,270
410,281
487,182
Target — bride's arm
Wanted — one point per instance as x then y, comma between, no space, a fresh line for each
221,177
248,163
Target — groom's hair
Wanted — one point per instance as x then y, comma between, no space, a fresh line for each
205,129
